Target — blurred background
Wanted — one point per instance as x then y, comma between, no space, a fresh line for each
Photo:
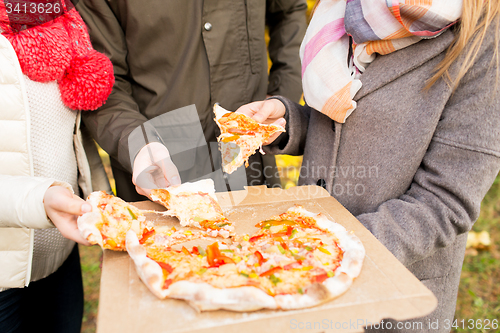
479,293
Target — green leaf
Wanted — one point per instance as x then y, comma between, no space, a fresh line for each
274,279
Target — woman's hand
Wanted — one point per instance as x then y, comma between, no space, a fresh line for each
270,111
63,208
153,168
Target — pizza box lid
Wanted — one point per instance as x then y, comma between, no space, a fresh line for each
384,289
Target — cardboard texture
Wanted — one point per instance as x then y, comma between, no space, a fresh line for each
384,289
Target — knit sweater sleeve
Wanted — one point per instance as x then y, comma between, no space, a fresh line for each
21,201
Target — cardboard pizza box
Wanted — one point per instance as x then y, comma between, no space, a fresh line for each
384,289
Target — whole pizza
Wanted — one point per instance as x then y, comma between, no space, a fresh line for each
295,260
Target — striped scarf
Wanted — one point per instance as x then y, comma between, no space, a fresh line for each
331,69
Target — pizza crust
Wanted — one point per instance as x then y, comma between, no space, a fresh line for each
148,270
87,226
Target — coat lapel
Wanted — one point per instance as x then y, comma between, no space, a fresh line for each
382,71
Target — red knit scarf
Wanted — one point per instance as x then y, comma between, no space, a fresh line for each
60,50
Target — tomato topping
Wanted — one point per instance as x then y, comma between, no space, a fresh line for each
295,264
185,251
167,283
284,245
260,257
146,234
321,277
195,250
271,271
165,266
254,238
215,258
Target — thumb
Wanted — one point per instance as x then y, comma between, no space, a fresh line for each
170,171
60,199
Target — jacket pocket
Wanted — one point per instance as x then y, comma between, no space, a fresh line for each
255,11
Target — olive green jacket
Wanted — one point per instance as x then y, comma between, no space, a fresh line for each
170,54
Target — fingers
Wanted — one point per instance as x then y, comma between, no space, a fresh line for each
250,109
280,122
170,172
265,112
60,199
144,181
153,168
63,208
67,225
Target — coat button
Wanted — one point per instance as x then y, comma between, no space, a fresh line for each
207,26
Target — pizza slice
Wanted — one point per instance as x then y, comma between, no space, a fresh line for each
240,137
195,205
110,220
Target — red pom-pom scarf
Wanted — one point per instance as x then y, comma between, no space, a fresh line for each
61,50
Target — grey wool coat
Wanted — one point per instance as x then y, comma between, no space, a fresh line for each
413,166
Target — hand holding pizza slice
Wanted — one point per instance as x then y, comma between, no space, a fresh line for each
110,220
240,137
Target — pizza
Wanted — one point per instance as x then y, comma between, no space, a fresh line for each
110,220
297,259
195,205
240,137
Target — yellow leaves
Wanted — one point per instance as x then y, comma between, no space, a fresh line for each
477,241
289,169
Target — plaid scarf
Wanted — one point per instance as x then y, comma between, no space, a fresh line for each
331,69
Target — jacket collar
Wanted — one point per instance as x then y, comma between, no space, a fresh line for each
382,70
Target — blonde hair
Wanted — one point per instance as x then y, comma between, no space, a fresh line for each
470,31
